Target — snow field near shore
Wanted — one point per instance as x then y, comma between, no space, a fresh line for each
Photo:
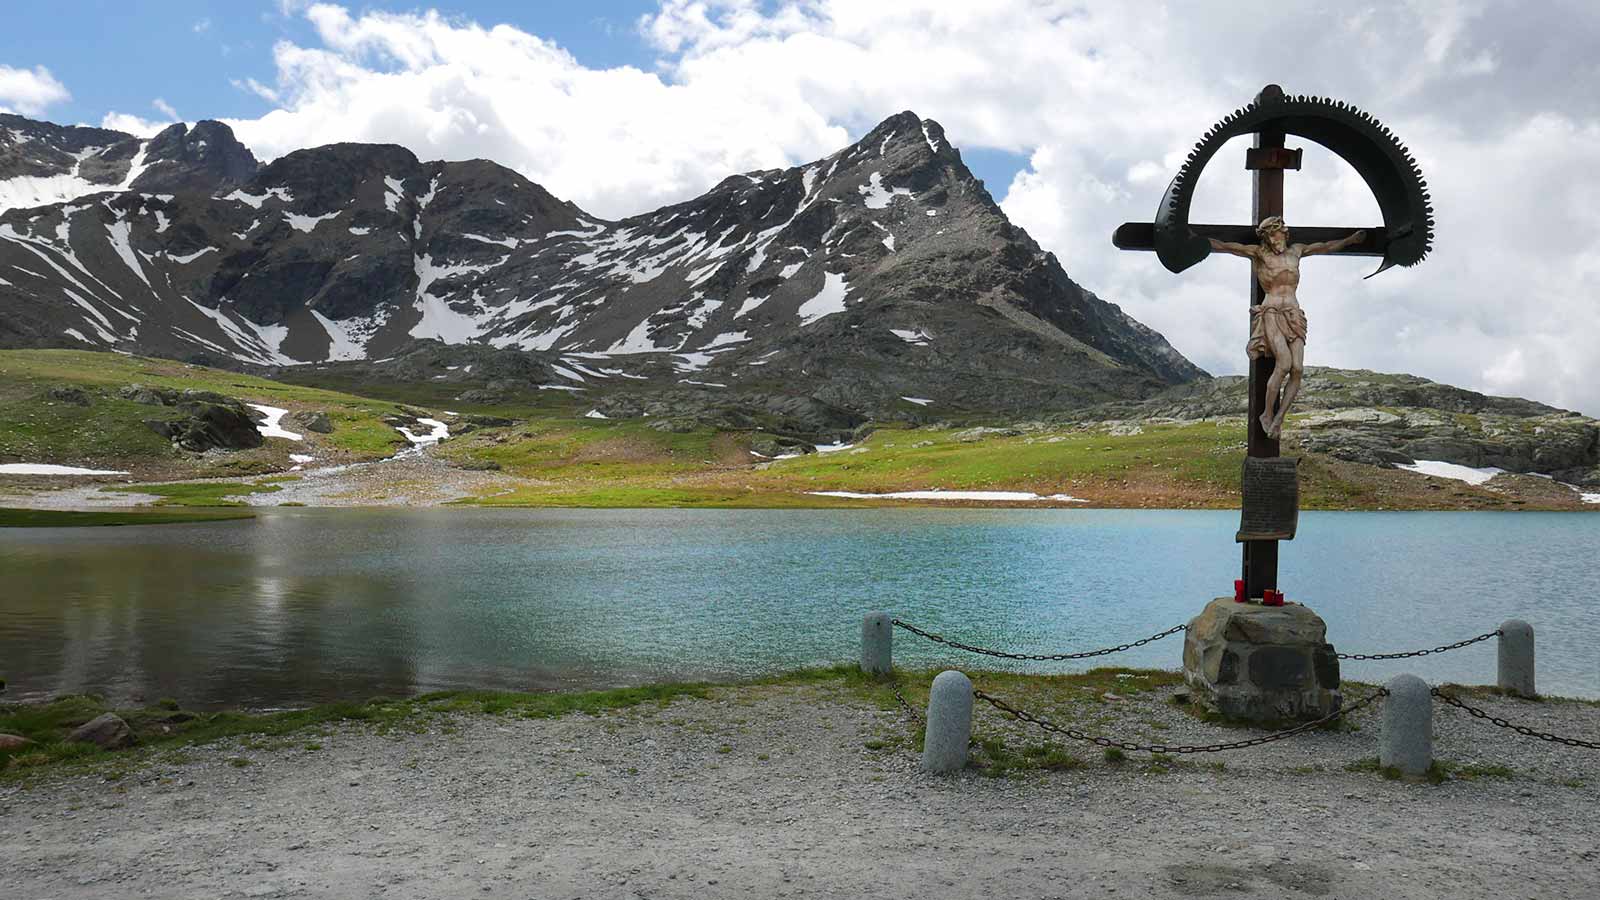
51,469
272,427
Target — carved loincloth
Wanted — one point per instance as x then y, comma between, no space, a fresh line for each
1269,319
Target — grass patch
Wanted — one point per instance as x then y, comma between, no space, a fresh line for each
161,728
1438,773
166,728
60,518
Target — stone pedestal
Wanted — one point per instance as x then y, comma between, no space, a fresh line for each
1261,663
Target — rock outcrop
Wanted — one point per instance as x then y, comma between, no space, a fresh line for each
1390,420
205,420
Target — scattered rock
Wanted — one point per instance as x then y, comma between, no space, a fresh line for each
478,465
69,394
972,435
313,420
148,396
778,445
13,742
108,731
675,426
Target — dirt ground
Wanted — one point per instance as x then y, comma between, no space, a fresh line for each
806,791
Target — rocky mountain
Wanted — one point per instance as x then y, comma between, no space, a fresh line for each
882,280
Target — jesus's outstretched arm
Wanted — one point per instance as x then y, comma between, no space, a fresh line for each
1245,250
1333,246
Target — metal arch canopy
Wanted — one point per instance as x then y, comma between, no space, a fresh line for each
1385,164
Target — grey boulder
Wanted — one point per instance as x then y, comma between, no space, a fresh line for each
107,730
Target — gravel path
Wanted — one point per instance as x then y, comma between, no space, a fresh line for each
777,791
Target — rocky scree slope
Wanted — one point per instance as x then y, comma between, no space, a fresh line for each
882,281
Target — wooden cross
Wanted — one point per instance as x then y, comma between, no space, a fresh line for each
1267,161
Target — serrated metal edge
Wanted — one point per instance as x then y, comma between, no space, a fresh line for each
1183,182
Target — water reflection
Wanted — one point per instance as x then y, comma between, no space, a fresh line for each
305,605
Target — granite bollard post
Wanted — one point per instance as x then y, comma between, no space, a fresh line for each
1516,658
949,729
1406,739
877,644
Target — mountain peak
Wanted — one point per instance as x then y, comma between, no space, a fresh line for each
909,129
204,158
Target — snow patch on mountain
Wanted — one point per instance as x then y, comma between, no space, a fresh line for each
827,301
120,231
877,196
348,337
254,201
307,223
191,257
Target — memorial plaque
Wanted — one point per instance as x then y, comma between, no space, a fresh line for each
1271,507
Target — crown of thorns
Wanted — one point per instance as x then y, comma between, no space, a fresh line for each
1269,225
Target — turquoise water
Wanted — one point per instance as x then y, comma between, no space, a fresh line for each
303,605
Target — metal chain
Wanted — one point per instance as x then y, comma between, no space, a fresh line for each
1075,734
1087,654
1456,646
894,685
1519,729
941,639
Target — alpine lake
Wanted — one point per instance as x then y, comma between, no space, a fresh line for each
299,606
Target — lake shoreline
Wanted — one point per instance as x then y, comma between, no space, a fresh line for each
807,785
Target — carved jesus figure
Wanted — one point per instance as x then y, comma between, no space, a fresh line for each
1278,324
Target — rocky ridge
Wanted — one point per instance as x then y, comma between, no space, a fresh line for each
42,163
1396,420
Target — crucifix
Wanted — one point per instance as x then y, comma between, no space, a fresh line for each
1277,324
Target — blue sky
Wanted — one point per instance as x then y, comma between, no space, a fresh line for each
189,51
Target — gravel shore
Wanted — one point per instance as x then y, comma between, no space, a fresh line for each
813,790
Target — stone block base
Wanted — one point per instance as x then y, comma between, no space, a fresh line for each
1261,663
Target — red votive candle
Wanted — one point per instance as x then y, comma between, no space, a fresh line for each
1238,590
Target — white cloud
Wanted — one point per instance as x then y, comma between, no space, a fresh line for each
29,91
139,126
1103,100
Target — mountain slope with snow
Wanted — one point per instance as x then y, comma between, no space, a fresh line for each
881,272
